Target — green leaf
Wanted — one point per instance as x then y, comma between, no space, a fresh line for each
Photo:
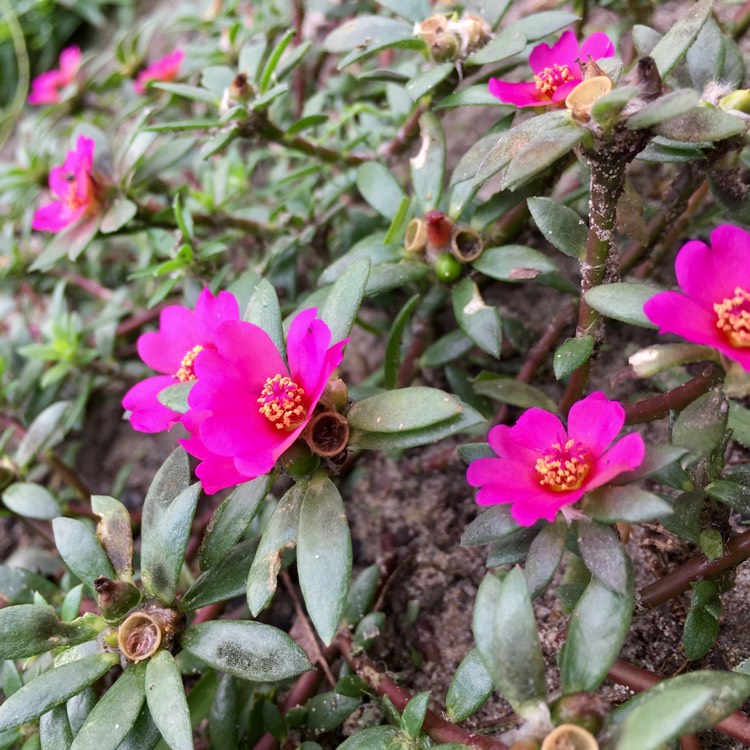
266,77
623,301
544,557
143,735
702,124
370,248
686,704
379,188
596,632
54,730
114,533
223,580
604,555
398,223
513,263
324,555
413,715
361,594
30,629
165,526
664,108
470,688
263,310
279,537
701,425
52,688
702,622
489,526
223,720
480,322
31,501
326,711
560,225
428,166
606,110
185,91
230,520
659,357
245,649
116,712
366,35
473,96
506,44
392,359
570,355
672,47
81,551
70,242
372,738
45,431
506,636
511,391
165,696
733,491
424,82
739,423
714,57
342,305
411,10
448,348
628,504
539,25
389,276
119,213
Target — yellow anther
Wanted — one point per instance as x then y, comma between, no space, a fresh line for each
187,366
563,468
551,78
281,402
733,317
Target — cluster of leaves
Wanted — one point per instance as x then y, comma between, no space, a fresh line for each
275,167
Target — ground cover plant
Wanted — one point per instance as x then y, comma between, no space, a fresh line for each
461,289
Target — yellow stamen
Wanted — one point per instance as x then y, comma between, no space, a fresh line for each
733,317
551,78
563,468
187,366
281,402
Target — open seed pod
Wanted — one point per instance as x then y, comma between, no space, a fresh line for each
415,237
581,99
327,434
466,244
145,631
570,737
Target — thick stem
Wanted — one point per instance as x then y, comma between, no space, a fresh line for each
736,725
699,568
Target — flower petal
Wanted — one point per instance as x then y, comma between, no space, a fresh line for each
148,413
679,314
70,61
518,94
210,311
595,421
51,217
700,275
164,350
563,52
543,505
538,429
625,455
598,45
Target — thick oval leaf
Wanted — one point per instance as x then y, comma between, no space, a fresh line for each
361,594
31,500
389,276
324,555
230,520
371,248
512,391
342,305
470,688
223,720
627,504
52,688
372,738
664,108
263,310
560,225
367,31
120,212
596,632
424,82
505,45
489,526
81,551
165,696
114,533
249,650
623,301
392,359
604,556
413,715
570,355
506,636
655,359
448,348
702,124
685,704
327,711
700,426
30,629
279,537
54,730
657,458
379,188
143,735
675,43
116,712
480,322
513,263
428,166
44,432
544,557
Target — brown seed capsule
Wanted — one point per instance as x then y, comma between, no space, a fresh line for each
581,99
587,710
466,244
116,598
415,237
145,631
438,227
327,434
570,737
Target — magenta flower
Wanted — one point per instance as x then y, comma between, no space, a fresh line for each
248,407
715,307
541,468
556,71
164,69
45,88
75,187
172,350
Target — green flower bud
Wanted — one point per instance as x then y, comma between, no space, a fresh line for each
447,268
738,100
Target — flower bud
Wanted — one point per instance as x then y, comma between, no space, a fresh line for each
116,598
570,737
298,460
415,237
478,31
327,434
466,244
587,710
438,228
147,630
581,99
335,395
736,100
447,268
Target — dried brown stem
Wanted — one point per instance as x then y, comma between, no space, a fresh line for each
405,135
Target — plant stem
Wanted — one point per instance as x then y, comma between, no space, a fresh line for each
658,407
736,725
437,728
698,568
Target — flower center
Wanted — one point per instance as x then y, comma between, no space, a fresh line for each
550,79
563,467
187,366
281,402
733,317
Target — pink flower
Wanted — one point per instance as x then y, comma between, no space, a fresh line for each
556,71
172,351
248,407
45,88
541,468
715,307
75,187
165,69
